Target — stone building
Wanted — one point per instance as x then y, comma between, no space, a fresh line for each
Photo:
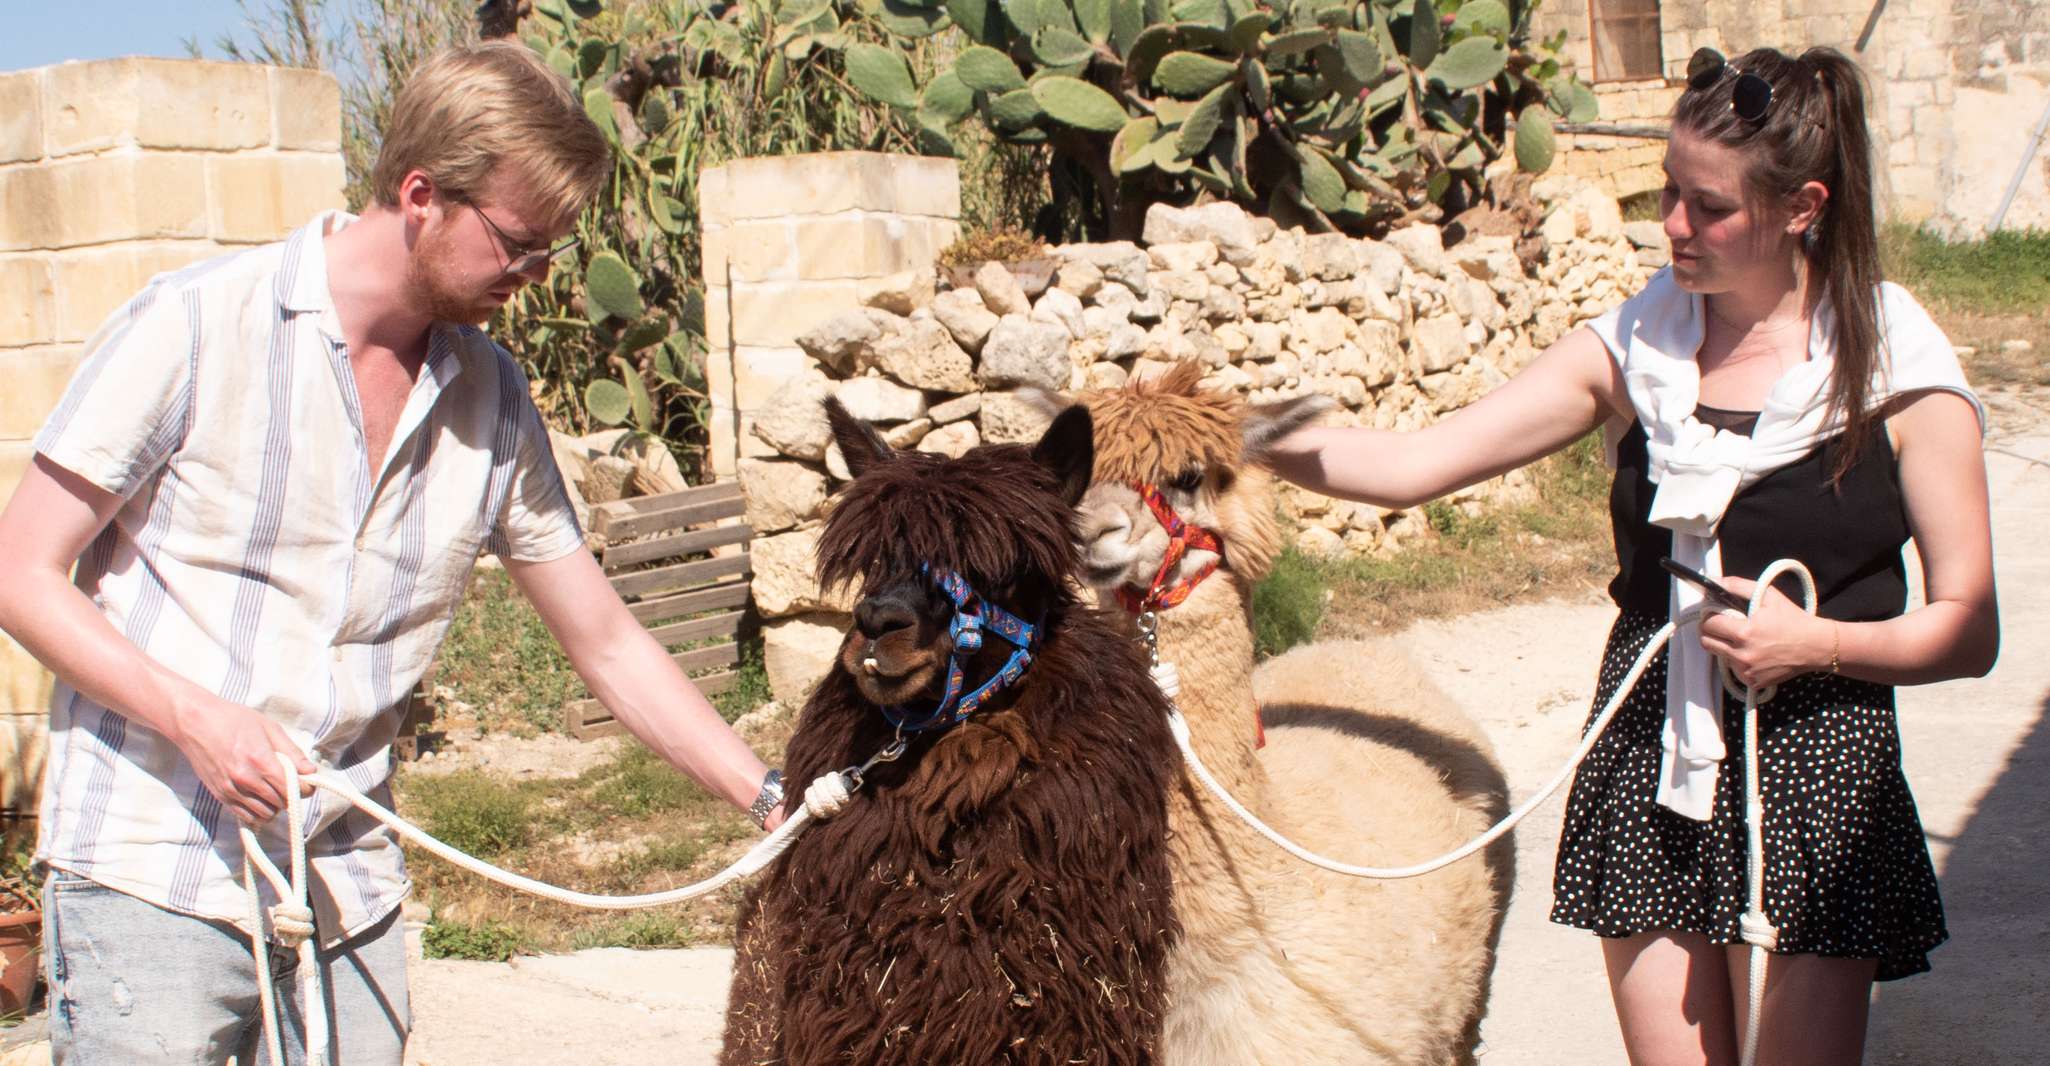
1960,90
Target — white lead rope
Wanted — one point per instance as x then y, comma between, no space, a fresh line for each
1756,928
291,921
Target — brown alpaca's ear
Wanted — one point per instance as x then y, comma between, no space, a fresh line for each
1267,423
860,444
1068,448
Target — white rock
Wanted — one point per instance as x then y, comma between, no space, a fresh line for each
1223,224
1186,256
1151,307
1079,277
794,420
1021,351
952,440
1009,419
1331,256
1598,217
1318,542
1000,290
1323,329
1124,341
1646,233
1423,246
924,356
841,340
1120,261
1063,308
1105,376
780,494
965,316
783,582
900,293
1439,343
1188,285
956,409
1381,266
798,652
880,400
2017,345
908,434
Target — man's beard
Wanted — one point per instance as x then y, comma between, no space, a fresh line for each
428,276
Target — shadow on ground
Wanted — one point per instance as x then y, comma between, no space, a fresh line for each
1989,995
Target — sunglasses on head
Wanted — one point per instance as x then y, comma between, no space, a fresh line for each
1750,97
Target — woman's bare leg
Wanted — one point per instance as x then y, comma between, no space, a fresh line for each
1815,1007
1672,993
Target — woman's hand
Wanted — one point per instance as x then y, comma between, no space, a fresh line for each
1777,641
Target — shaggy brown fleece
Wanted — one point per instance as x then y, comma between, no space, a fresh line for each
1001,895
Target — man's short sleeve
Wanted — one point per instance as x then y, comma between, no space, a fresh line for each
538,522
129,404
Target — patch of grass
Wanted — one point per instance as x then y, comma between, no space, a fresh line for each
1557,543
637,783
501,660
487,941
1287,604
640,931
2005,273
472,811
750,689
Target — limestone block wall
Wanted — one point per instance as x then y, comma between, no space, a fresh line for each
1398,332
792,240
112,171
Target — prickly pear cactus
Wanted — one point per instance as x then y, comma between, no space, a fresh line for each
1339,114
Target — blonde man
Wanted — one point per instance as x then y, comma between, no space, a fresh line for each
274,471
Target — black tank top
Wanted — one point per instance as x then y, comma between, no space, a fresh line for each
1849,537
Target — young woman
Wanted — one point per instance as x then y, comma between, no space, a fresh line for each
1766,397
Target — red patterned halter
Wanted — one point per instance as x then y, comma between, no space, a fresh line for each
1180,538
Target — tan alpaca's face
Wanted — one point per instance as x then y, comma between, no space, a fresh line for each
1124,543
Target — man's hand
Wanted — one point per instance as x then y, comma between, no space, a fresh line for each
235,751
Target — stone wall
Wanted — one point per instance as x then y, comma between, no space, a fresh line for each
1398,331
1956,89
110,172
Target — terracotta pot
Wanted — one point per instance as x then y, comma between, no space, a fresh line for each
21,941
1032,274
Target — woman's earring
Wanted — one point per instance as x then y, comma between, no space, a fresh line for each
1811,238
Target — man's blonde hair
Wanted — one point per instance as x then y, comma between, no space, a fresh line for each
468,110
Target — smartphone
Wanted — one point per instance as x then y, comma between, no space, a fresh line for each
1716,594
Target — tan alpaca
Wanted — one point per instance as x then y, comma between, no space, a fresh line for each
1365,762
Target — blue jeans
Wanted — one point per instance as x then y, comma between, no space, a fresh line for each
134,983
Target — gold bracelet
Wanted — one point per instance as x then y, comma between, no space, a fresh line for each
1836,643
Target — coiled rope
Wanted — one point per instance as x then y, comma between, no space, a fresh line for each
290,921
1756,928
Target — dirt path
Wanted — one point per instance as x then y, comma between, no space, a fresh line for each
1978,754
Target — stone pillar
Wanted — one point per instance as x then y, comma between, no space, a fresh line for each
111,172
789,242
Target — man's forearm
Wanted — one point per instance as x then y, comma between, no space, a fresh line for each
649,694
58,625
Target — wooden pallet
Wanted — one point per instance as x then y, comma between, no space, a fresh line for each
669,577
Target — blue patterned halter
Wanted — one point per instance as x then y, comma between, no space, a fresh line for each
972,614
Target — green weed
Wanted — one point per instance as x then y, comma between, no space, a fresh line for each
636,931
2007,272
487,941
501,660
1287,604
638,783
472,811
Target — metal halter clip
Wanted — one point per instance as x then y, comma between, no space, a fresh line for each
891,752
1149,631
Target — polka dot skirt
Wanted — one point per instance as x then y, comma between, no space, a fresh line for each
1847,870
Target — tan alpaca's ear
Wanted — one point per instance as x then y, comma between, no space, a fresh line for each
860,444
1267,423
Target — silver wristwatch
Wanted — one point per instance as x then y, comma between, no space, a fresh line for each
768,799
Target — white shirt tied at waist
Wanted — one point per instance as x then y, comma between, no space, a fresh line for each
259,553
1698,469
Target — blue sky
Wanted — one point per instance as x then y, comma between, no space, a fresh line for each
41,32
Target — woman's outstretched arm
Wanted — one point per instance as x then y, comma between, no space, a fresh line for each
1568,390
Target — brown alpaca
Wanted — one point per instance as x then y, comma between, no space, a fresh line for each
1364,762
1001,893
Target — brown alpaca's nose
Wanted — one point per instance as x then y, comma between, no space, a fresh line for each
878,616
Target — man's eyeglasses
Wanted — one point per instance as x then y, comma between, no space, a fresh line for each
523,257
1750,97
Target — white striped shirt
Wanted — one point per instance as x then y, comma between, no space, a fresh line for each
255,554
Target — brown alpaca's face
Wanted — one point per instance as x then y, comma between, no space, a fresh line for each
998,517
